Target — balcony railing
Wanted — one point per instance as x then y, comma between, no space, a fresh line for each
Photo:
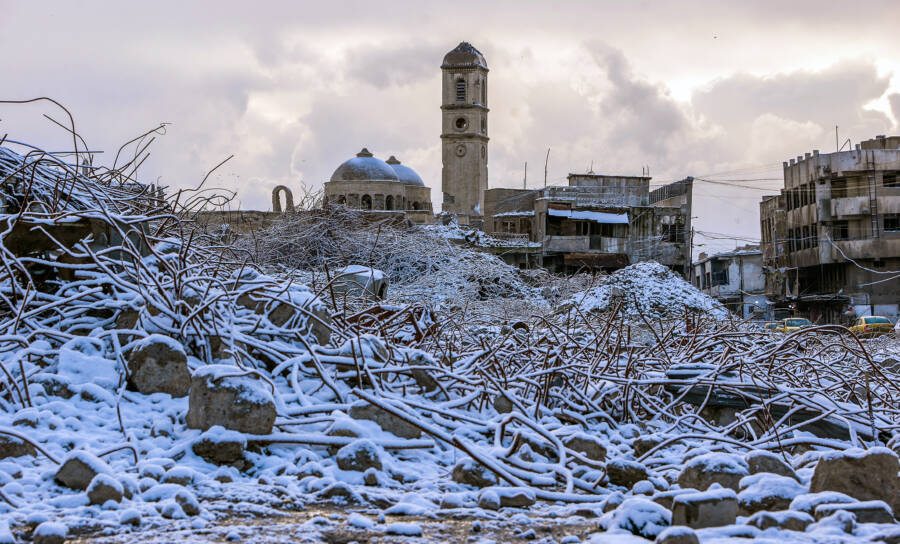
511,236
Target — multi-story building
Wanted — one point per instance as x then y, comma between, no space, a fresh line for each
596,222
735,278
832,237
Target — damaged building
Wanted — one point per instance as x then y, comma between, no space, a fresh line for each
831,239
735,279
597,222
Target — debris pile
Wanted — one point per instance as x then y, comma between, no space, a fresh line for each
422,264
647,288
153,378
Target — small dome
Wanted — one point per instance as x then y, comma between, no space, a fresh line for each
464,56
364,167
407,175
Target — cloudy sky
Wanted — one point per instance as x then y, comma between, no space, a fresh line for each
714,89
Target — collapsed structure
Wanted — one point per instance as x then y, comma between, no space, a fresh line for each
832,235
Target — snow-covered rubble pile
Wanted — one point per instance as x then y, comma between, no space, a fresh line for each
649,288
452,231
422,264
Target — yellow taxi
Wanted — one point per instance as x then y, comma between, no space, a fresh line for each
873,325
772,325
792,324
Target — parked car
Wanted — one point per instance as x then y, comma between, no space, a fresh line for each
772,325
897,329
792,324
871,326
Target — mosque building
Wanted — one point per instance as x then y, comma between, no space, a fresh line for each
366,182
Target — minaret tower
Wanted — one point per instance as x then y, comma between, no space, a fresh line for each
464,139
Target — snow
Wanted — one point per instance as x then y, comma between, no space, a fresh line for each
711,494
597,217
218,434
50,528
640,517
756,487
856,453
96,464
153,339
515,214
647,287
719,462
809,501
403,529
251,389
106,480
81,362
360,521
362,271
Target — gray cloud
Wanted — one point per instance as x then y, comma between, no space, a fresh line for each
294,89
383,65
833,96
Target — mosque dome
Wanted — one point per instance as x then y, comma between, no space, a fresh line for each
365,167
464,56
407,175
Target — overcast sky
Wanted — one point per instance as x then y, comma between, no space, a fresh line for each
720,90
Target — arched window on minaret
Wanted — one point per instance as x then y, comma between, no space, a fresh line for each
460,90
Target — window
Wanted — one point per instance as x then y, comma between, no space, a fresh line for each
671,233
805,243
890,180
840,230
460,90
892,222
461,123
839,188
483,125
719,278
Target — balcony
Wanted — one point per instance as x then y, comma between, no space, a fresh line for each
849,206
567,244
866,248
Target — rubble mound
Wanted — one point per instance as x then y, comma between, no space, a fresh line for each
649,288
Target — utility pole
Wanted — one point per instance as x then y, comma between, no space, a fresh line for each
525,181
837,145
690,263
546,161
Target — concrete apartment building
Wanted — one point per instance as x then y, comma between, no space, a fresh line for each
832,236
735,278
597,221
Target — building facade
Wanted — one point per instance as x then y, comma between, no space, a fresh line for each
597,222
831,251
464,132
736,279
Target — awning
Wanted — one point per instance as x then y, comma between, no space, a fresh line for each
597,217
